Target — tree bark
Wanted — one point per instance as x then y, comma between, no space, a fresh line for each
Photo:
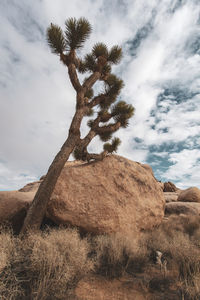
38,207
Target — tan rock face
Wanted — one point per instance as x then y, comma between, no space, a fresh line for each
113,195
13,207
169,187
190,195
171,197
31,187
186,208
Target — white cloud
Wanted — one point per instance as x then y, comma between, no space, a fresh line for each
37,100
185,168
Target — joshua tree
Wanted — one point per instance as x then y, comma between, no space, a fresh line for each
97,66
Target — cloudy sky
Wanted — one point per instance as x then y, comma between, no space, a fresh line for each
160,68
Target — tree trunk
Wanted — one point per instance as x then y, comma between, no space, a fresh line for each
38,207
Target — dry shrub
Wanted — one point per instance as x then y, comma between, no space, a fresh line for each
6,247
191,224
116,254
187,258
185,223
181,251
8,289
196,238
43,266
160,283
186,228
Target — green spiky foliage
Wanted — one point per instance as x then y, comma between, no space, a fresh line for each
82,67
115,55
55,39
113,87
78,154
106,68
90,63
122,112
100,49
113,146
76,32
105,136
105,115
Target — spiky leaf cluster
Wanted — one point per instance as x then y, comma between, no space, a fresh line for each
122,112
90,63
55,39
79,154
100,49
105,136
106,69
113,146
76,32
82,67
105,115
113,86
115,55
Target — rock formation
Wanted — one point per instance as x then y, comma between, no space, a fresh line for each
169,187
191,194
113,195
186,208
171,196
13,207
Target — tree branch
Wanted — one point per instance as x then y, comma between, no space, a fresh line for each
96,100
88,138
73,77
91,81
96,157
108,128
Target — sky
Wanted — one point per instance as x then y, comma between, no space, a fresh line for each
160,68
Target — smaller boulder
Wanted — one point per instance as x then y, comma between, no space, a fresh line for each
190,195
31,187
13,208
171,197
169,187
186,208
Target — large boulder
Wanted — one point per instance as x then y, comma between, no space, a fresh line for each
186,208
190,195
113,195
13,208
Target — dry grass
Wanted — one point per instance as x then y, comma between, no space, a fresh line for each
179,241
117,255
49,265
43,266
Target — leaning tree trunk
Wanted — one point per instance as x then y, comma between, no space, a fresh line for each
38,207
